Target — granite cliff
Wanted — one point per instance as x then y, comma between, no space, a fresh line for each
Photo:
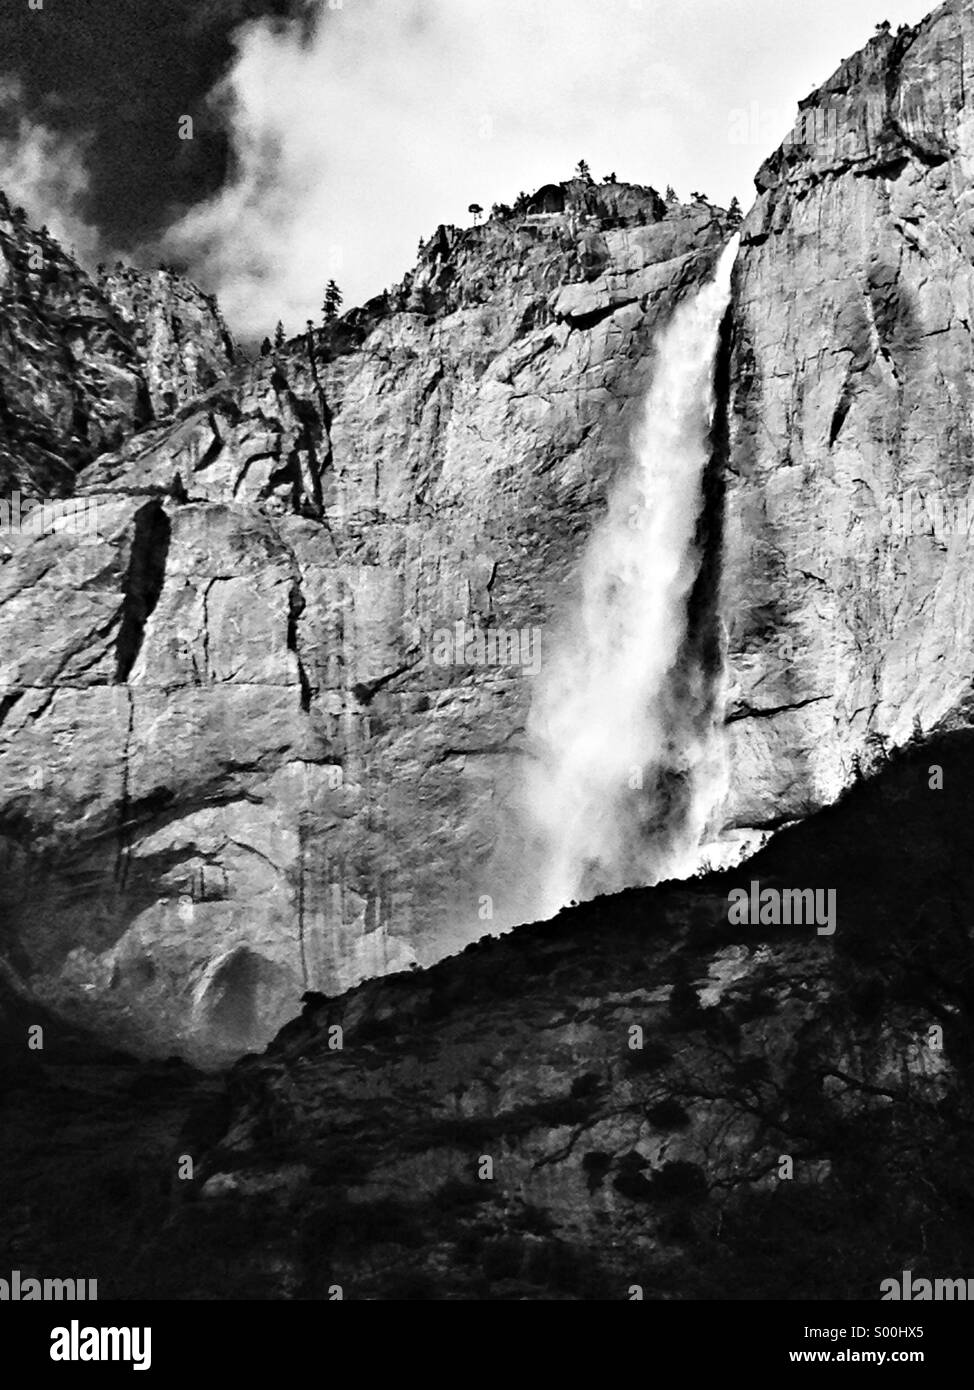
848,388
233,767
85,362
235,764
239,775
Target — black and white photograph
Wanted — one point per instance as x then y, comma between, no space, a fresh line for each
486,672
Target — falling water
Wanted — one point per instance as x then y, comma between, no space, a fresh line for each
623,780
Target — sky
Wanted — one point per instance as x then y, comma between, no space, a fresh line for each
329,136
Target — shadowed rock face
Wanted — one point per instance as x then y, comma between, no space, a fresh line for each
228,735
638,1093
850,382
666,1099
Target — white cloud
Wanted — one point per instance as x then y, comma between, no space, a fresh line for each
46,173
397,116
400,113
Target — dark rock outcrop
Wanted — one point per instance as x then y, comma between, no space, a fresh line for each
638,1093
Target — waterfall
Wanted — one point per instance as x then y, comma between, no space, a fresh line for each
624,776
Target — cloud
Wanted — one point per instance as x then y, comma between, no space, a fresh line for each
393,116
46,172
330,136
355,135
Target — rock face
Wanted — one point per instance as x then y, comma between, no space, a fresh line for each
243,753
850,377
71,383
84,364
262,710
637,1093
263,730
181,339
663,1099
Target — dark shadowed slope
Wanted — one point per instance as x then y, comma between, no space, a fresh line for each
612,1164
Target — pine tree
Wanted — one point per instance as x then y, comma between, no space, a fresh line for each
671,197
279,338
476,212
265,347
734,215
582,171
333,302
